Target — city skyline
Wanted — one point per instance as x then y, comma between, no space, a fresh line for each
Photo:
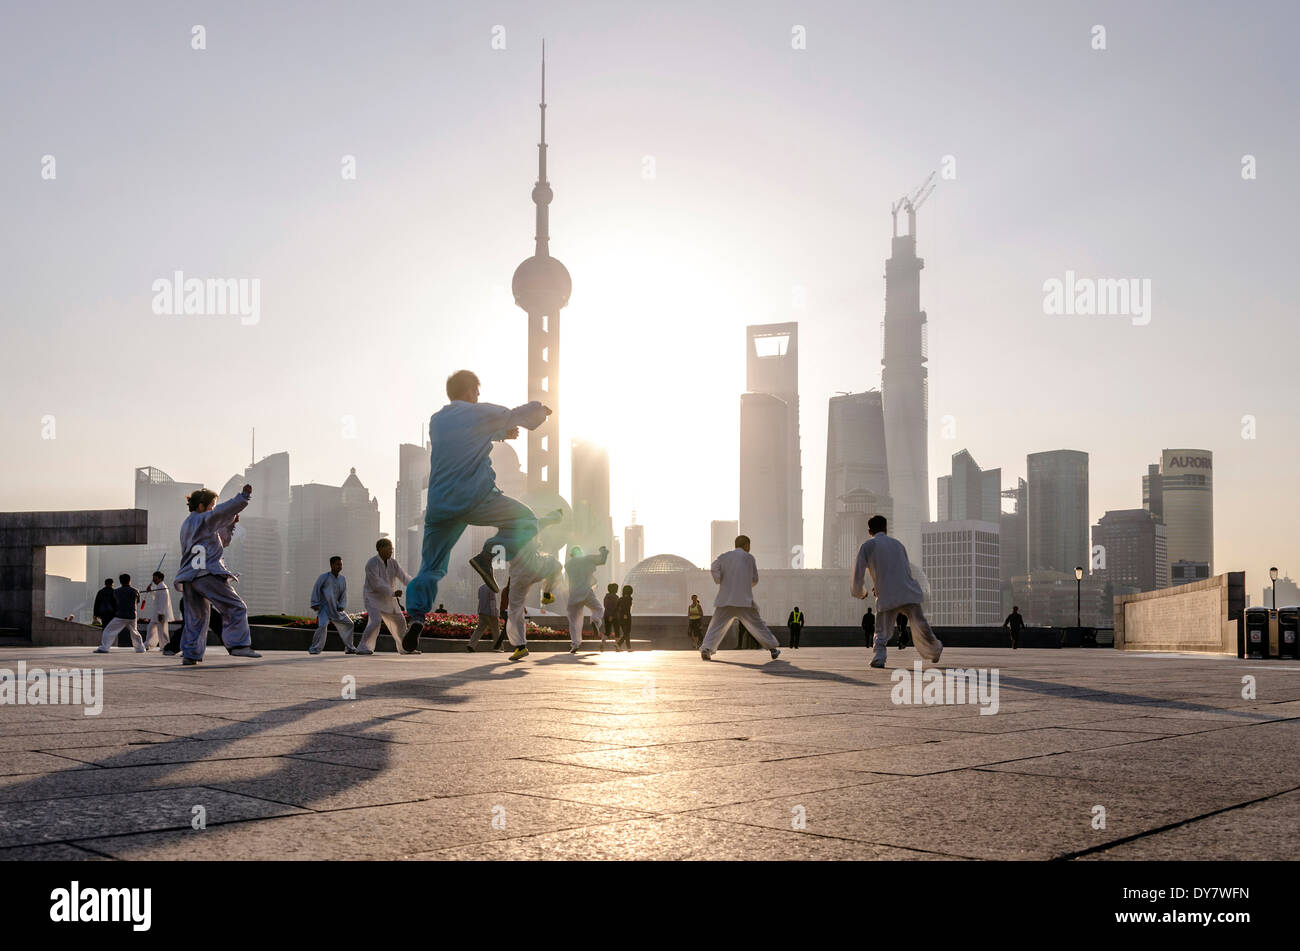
1006,379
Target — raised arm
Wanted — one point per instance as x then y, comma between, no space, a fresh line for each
497,421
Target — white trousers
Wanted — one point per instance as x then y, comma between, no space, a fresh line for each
156,635
526,569
342,625
927,645
375,622
727,615
115,627
576,616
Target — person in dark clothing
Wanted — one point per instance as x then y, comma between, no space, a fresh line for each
695,621
505,608
625,618
611,626
744,640
105,604
904,632
795,623
126,607
1014,623
869,627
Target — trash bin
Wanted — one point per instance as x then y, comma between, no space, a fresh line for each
1288,632
1257,632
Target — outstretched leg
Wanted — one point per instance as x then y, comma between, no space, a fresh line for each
440,535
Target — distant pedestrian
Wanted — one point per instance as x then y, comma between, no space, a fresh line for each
385,578
904,633
126,600
795,623
329,599
105,604
488,621
869,626
1014,624
442,609
610,628
885,559
158,609
505,614
736,573
695,621
625,617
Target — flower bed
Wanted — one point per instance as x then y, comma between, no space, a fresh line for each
435,625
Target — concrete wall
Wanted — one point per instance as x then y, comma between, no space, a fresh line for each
1201,617
23,539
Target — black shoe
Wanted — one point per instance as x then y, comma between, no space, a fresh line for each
170,653
468,648
411,642
189,662
349,650
482,564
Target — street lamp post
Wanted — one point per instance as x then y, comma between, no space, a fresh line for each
1272,573
1078,597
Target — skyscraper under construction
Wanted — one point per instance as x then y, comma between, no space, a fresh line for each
903,380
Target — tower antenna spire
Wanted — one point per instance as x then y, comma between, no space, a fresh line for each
542,193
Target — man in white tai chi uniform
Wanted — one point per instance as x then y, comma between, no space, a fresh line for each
736,573
896,591
581,570
385,579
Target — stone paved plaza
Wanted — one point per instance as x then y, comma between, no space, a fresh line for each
653,755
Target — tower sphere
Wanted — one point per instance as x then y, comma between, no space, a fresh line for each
541,285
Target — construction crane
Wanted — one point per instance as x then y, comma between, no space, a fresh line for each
912,202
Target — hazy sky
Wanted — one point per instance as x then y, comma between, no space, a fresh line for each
774,168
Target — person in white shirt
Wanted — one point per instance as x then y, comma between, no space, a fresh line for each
897,592
329,599
158,609
581,570
385,579
736,573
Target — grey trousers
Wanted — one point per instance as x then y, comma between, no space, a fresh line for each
927,645
727,615
213,592
488,624
342,625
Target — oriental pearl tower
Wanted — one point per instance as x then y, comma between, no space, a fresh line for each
541,287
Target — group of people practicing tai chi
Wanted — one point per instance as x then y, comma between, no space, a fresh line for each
462,492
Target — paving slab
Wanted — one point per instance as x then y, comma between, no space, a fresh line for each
653,755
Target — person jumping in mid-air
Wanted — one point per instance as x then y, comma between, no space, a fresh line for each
463,491
581,570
